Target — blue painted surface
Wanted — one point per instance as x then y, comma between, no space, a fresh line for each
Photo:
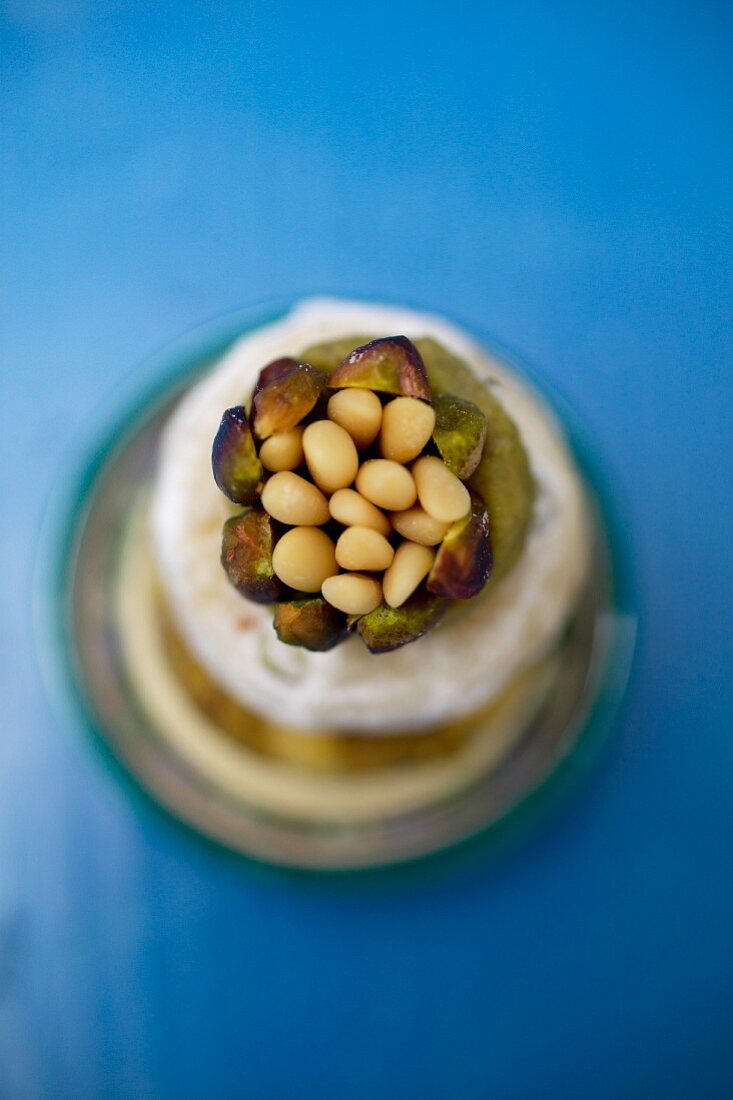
558,175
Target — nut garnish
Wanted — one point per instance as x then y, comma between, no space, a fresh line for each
283,451
291,499
410,564
441,493
407,425
386,484
330,454
416,525
237,469
353,510
355,522
304,558
353,593
364,549
360,412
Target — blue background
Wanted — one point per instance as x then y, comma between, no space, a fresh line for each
559,175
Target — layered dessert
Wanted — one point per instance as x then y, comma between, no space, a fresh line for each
367,535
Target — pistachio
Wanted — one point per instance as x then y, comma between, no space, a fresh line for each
387,628
359,412
236,467
439,491
311,623
460,432
286,392
291,499
283,451
331,353
463,561
278,368
246,554
303,558
353,593
389,365
407,425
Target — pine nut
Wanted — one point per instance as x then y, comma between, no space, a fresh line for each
359,412
353,510
441,493
283,451
386,484
407,425
291,499
416,525
352,593
331,455
411,563
363,548
303,558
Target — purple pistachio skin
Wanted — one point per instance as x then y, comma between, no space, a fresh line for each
246,554
236,467
463,562
311,623
389,365
273,371
389,628
459,434
285,393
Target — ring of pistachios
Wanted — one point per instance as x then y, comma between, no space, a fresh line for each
356,513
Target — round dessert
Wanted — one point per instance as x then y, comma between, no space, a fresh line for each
394,536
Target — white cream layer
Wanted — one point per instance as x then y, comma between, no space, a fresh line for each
453,670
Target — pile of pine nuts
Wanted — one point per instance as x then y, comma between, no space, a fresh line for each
402,493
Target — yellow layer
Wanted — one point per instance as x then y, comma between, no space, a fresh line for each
293,773
323,751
